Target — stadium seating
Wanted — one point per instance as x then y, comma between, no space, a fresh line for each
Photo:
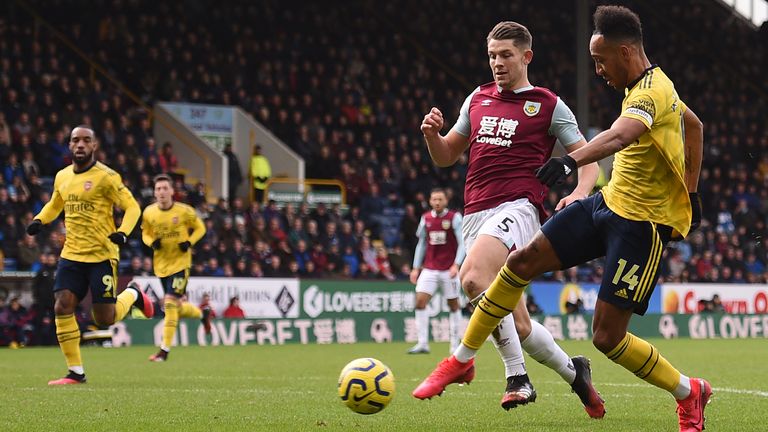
359,90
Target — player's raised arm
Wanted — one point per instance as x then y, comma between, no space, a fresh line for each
461,253
587,178
566,129
147,235
125,200
694,147
622,133
49,213
444,150
198,229
421,250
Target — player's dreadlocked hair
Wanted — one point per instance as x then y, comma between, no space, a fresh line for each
511,30
618,23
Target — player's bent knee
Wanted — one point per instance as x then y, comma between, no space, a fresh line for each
605,340
470,285
104,319
520,264
60,309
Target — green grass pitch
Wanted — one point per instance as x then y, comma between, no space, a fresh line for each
293,388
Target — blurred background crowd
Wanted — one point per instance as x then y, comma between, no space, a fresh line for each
349,99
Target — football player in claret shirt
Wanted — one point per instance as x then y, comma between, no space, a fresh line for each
87,191
651,199
510,128
171,229
436,263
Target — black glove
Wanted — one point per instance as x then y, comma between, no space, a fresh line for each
156,244
556,170
118,238
184,246
695,211
35,227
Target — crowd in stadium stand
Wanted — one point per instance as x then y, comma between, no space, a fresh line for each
349,99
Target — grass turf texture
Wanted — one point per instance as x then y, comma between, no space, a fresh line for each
293,387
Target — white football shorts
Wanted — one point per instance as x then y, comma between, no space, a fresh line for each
430,280
514,223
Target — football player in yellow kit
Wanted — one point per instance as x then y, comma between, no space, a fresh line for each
171,229
87,191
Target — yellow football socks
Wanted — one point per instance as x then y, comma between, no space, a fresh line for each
188,310
68,334
644,360
125,300
496,303
170,323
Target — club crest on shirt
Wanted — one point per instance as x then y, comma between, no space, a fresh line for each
446,224
175,220
87,185
531,108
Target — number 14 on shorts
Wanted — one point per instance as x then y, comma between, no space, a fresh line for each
630,277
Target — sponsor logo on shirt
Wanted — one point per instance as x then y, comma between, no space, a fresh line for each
494,130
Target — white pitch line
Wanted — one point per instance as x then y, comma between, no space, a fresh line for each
758,393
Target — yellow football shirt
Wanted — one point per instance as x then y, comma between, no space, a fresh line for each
648,180
172,227
88,199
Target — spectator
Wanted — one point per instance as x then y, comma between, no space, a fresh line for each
533,307
168,161
383,264
275,268
42,301
14,322
261,172
234,310
255,270
205,304
302,256
235,174
212,268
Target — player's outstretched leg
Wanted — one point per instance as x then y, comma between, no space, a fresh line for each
188,310
645,361
690,411
133,296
